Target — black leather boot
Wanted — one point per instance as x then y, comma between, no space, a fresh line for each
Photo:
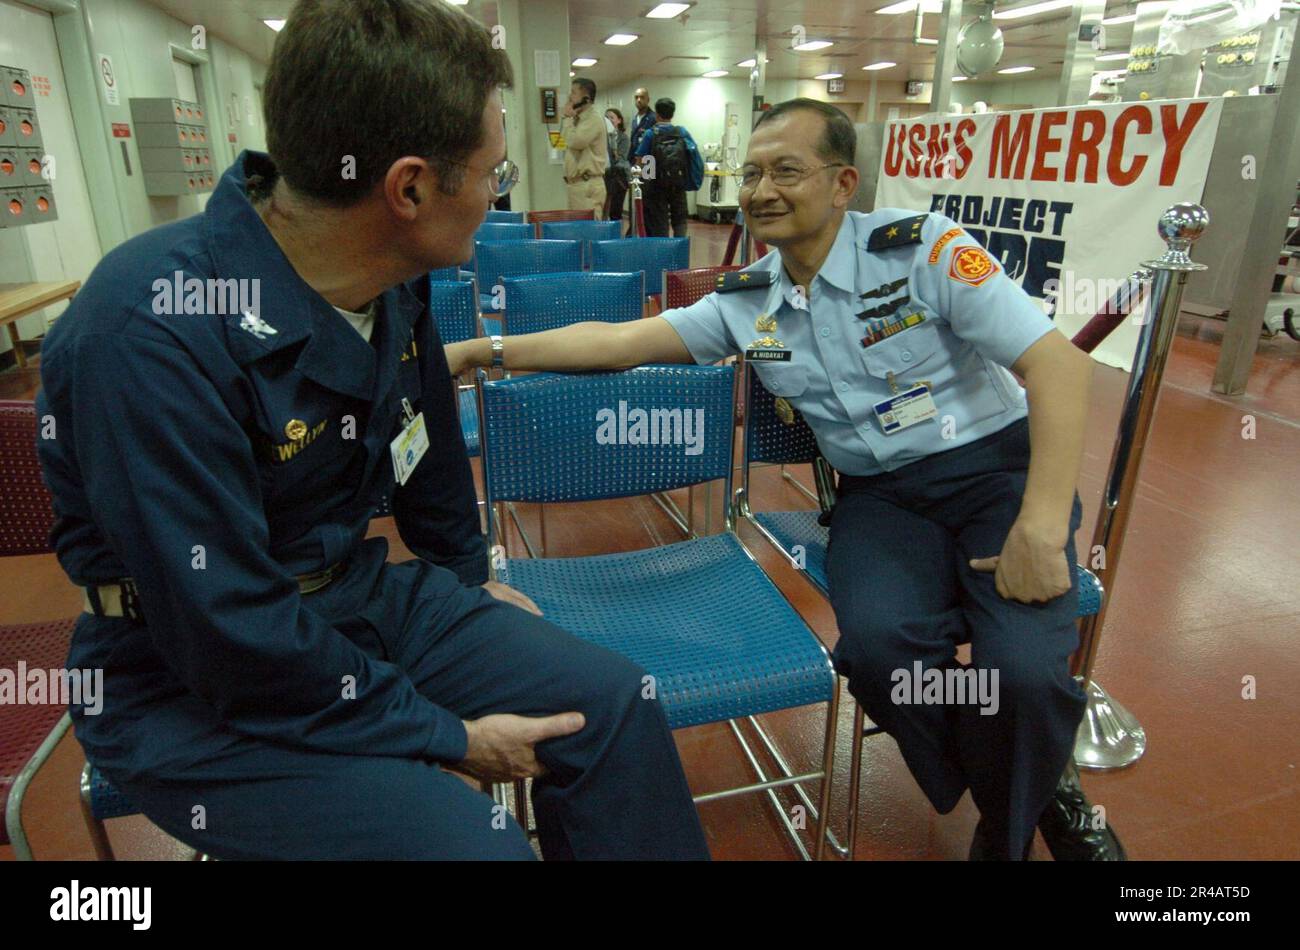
1067,825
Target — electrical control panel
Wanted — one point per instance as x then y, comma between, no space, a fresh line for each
175,154
26,196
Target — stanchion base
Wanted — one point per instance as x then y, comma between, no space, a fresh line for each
1109,736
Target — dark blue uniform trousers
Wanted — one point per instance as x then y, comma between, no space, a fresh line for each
613,790
903,591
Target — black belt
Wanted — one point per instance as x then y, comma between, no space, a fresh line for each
120,598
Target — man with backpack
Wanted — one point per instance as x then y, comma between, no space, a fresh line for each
670,166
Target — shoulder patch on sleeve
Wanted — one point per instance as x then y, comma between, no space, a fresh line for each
971,264
943,242
743,280
898,234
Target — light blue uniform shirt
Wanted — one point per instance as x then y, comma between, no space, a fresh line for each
977,323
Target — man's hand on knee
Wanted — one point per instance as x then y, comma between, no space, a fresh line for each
500,746
1031,568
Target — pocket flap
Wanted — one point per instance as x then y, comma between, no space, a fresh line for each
903,352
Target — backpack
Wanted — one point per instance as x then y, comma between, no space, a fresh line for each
672,160
695,180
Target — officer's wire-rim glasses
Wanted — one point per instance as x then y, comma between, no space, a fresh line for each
783,175
501,177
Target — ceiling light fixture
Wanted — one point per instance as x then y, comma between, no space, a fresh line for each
907,6
1033,9
1016,69
714,74
621,39
830,76
276,25
812,45
875,66
582,62
666,11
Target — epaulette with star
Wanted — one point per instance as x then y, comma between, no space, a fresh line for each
742,280
900,233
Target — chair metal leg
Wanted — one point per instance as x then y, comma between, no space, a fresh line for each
14,806
828,771
799,485
855,779
499,518
765,784
523,535
814,811
98,833
673,512
818,812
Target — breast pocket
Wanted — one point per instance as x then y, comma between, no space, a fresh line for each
913,354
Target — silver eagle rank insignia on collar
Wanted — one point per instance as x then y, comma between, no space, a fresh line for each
256,325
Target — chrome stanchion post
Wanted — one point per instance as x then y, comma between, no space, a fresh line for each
637,214
1110,736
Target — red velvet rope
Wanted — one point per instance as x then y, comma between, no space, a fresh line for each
1111,315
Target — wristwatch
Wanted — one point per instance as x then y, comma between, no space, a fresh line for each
498,351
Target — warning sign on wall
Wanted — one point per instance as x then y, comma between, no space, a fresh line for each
104,66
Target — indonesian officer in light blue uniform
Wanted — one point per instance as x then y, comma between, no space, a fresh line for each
895,335
233,395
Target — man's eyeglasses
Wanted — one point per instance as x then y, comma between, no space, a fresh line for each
783,175
501,178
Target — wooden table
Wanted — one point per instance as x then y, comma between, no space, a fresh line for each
18,300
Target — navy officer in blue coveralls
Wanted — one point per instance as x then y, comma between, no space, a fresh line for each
893,334
273,687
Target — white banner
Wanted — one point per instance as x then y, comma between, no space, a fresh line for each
1067,199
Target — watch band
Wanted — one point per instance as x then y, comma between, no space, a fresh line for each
498,351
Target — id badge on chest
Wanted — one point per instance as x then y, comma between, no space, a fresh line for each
906,407
410,445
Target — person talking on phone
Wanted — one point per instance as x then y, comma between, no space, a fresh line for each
585,156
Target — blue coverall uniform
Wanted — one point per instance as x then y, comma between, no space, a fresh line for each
212,457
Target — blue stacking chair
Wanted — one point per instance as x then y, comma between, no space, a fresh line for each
700,616
767,438
549,301
455,310
504,231
496,260
584,231
651,255
445,273
504,217
100,801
